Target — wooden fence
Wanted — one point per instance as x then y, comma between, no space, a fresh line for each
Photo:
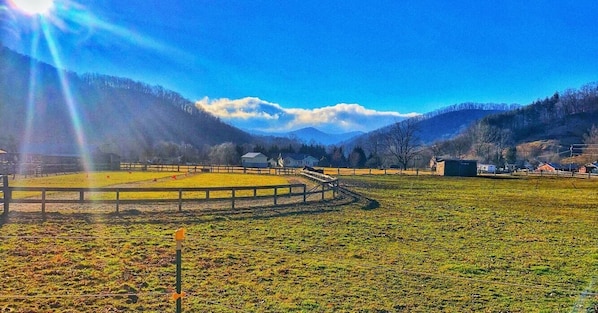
117,195
193,168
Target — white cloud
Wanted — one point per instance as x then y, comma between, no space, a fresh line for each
257,114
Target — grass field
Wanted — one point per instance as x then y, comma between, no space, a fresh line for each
150,180
429,244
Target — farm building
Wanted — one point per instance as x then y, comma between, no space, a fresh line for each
453,167
106,161
296,160
486,168
589,168
554,167
254,159
549,167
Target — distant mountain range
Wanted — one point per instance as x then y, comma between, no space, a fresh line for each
311,135
440,125
47,107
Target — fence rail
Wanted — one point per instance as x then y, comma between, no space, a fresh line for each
116,195
198,168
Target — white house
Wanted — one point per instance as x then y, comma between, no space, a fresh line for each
486,168
296,160
254,159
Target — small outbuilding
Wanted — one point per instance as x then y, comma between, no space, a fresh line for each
486,168
455,167
254,159
589,168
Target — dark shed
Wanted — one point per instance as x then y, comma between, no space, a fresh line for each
447,167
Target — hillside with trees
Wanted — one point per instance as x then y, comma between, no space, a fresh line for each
45,106
559,128
401,143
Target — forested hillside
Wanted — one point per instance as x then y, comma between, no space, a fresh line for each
554,129
564,117
45,106
560,128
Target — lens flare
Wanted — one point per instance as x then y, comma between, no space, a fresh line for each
33,7
68,97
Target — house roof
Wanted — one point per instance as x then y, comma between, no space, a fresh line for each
551,164
454,160
297,156
252,155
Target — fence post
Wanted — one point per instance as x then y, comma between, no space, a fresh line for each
6,192
304,193
180,200
233,198
323,197
117,199
44,201
179,236
275,195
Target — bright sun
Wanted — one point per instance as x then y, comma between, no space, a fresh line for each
33,7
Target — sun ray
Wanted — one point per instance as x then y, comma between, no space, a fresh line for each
68,97
24,148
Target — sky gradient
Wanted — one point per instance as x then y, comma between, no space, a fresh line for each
393,57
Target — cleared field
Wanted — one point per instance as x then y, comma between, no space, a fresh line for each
431,244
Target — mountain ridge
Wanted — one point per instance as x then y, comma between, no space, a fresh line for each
311,135
102,110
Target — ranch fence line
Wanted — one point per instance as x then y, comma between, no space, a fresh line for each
60,195
201,168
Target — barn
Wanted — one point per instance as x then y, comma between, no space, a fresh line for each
455,167
254,159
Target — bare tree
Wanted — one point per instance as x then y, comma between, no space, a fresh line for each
590,140
224,154
402,143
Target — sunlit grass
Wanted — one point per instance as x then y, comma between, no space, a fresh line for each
433,244
155,180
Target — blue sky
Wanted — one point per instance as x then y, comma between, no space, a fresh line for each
303,58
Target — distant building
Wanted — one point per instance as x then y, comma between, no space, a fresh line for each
454,167
105,161
296,160
486,168
254,159
589,168
549,167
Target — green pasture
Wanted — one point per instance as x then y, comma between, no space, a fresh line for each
153,180
421,244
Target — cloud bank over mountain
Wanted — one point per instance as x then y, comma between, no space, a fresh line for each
256,114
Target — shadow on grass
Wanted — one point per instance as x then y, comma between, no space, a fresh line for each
145,215
160,214
367,203
498,176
